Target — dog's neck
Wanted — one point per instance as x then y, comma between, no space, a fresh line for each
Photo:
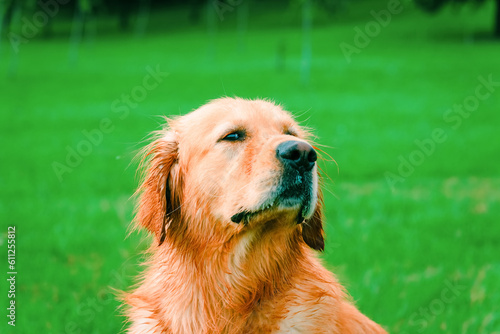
218,283
246,269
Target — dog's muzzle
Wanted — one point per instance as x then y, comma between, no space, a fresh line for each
295,188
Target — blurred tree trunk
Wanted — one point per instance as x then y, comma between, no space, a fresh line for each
15,43
242,17
142,17
82,10
125,9
306,42
6,12
47,28
3,19
211,30
497,20
197,7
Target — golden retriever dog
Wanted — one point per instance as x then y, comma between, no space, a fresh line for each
231,197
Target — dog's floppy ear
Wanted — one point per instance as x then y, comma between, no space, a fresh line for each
159,203
312,229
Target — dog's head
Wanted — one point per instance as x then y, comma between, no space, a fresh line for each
231,165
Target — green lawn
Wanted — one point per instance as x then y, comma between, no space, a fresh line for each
420,254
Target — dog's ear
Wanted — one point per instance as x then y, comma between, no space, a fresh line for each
312,229
160,193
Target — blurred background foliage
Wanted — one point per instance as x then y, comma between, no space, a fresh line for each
406,103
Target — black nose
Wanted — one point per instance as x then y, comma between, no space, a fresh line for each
298,154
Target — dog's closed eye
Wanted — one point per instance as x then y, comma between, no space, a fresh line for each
290,132
237,135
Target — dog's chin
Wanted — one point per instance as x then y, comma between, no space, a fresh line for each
285,205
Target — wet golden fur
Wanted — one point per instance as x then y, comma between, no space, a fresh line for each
207,274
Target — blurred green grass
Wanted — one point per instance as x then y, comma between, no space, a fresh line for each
396,249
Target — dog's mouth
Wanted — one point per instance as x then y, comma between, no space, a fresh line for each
294,194
245,216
